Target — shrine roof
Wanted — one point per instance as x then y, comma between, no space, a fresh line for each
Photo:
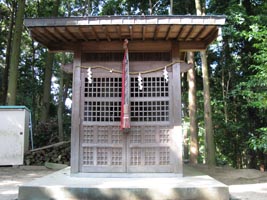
60,33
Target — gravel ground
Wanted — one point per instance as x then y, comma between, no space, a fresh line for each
245,184
12,177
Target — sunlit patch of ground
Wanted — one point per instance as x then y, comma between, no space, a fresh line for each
11,178
244,184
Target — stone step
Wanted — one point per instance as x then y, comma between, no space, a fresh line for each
114,186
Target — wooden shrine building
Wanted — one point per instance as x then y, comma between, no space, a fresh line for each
153,60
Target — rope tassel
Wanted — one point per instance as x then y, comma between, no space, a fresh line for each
140,82
125,93
165,75
89,75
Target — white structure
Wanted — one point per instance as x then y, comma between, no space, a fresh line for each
14,134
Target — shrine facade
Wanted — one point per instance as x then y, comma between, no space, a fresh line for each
156,49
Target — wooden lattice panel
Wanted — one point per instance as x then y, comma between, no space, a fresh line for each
136,156
103,135
102,111
88,156
116,158
164,155
136,135
102,155
150,155
103,87
152,87
88,134
149,134
116,135
103,104
143,111
102,147
164,135
102,99
147,146
151,104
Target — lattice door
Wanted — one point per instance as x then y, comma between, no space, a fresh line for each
149,142
147,147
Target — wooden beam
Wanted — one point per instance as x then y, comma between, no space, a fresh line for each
82,34
39,36
62,47
118,28
189,33
93,33
192,46
209,30
67,68
77,32
168,32
62,35
67,31
180,32
144,32
50,146
134,46
126,20
213,35
185,67
131,32
104,28
52,32
70,36
200,32
44,33
156,32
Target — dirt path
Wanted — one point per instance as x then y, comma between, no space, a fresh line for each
245,184
11,178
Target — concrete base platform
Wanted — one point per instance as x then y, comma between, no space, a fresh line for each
62,186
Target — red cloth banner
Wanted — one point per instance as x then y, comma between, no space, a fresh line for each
125,93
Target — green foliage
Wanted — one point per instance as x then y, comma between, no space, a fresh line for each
132,7
257,82
238,72
238,100
259,142
252,89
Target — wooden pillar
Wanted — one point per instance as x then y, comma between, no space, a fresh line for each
192,107
177,111
76,110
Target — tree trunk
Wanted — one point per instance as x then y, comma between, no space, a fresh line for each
89,8
171,7
34,92
192,99
192,107
47,87
150,7
210,145
225,91
198,7
209,132
48,75
8,51
15,54
61,102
